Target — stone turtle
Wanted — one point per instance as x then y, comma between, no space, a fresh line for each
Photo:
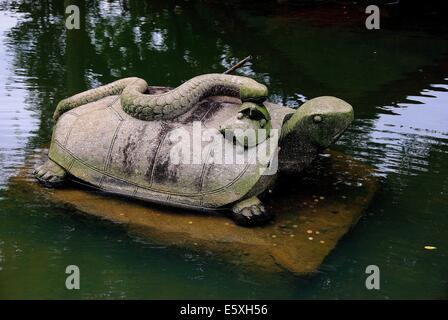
120,138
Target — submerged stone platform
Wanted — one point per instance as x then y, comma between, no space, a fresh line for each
313,211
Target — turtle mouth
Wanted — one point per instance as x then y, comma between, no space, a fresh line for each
339,134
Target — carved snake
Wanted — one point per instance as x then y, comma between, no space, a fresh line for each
170,104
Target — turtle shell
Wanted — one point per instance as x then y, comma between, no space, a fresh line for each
98,143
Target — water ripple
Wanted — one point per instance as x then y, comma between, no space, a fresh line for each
402,137
17,122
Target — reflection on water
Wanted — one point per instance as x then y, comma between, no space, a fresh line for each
401,139
16,120
395,78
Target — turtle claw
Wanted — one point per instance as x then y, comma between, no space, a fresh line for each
250,212
50,174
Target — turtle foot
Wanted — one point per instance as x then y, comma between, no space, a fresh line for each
250,212
50,174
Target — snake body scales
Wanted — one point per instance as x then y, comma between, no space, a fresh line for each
170,104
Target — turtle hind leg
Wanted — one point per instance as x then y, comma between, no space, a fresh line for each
250,212
50,174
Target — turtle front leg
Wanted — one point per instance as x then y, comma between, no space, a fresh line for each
50,174
250,212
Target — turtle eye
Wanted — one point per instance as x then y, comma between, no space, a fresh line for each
317,119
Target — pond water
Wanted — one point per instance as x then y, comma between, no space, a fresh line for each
396,78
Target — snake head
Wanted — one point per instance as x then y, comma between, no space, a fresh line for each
251,90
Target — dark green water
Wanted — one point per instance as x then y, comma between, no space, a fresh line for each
396,78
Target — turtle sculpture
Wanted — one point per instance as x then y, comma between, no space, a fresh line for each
120,138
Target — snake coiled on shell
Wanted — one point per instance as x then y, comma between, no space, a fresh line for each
170,104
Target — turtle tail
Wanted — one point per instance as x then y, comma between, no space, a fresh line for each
92,95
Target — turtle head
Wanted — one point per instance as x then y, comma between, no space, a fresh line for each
321,121
314,126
